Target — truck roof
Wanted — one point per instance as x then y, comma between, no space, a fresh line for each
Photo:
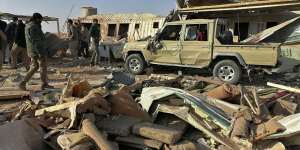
191,21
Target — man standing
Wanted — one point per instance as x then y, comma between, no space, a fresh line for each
10,32
73,35
2,46
19,47
84,42
3,25
95,38
35,39
3,41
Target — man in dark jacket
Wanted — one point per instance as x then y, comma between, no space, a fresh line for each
35,40
95,38
19,48
3,25
10,32
2,46
3,42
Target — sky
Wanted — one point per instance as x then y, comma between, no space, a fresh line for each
62,8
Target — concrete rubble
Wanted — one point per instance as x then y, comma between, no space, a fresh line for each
167,112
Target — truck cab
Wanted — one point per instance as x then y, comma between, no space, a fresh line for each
197,44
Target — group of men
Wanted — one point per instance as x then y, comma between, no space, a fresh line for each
82,40
28,42
13,43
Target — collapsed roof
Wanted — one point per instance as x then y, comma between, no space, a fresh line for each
242,6
285,32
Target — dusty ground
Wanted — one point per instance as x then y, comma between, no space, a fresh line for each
58,72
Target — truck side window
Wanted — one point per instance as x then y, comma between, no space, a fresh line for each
171,33
196,32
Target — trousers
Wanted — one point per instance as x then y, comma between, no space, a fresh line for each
19,51
95,52
36,63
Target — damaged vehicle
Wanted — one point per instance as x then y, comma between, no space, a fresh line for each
200,43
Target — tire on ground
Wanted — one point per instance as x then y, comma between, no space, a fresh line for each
137,58
237,71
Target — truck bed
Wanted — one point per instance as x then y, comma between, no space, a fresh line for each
262,54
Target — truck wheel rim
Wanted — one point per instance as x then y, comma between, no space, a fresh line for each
135,65
226,73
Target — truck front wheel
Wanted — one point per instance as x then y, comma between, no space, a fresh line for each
228,71
135,64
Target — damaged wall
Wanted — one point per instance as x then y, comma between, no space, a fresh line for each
138,26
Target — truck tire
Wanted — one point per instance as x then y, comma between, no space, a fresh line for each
135,64
228,71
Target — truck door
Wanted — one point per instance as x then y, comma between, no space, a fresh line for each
197,45
171,46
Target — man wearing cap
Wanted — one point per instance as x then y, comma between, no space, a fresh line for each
35,40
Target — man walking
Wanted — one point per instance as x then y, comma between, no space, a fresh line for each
35,39
19,48
95,38
10,32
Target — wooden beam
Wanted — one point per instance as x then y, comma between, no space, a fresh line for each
283,87
89,129
10,94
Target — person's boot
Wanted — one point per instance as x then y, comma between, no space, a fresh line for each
92,65
22,86
46,86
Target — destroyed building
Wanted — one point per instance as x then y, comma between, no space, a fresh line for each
247,18
244,18
133,26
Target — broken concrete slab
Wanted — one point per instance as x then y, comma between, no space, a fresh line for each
241,128
122,103
197,122
117,125
285,108
268,128
140,141
171,121
157,132
89,129
291,123
22,135
70,140
187,145
225,92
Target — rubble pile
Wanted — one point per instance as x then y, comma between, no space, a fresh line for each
167,112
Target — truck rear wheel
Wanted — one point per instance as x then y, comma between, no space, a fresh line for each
228,71
135,64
